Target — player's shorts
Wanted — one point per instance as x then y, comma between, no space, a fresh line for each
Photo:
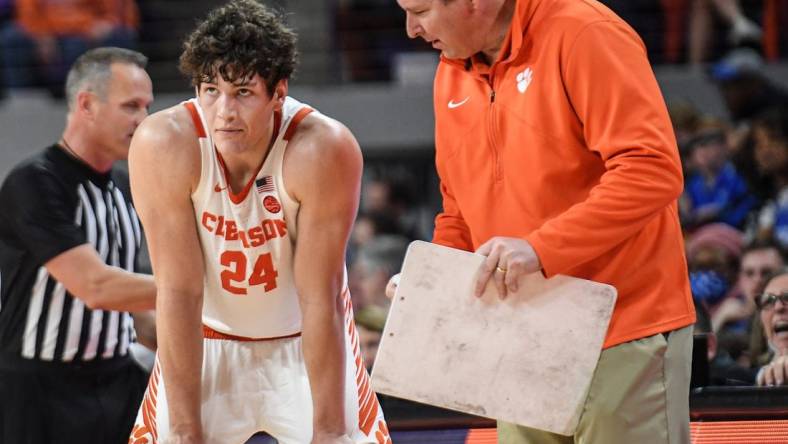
262,385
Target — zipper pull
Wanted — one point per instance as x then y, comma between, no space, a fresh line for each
492,96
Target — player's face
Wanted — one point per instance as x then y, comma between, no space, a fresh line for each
240,114
128,96
458,28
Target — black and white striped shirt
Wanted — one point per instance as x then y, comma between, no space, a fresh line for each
49,204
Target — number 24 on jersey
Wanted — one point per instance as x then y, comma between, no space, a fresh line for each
263,272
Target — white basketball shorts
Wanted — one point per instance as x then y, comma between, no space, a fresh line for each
262,385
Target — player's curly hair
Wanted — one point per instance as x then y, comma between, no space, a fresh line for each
238,40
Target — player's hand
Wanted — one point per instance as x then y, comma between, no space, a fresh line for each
774,373
328,438
391,287
508,259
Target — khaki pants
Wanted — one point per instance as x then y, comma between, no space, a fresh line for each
639,395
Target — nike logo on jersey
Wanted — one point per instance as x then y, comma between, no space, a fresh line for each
453,104
218,189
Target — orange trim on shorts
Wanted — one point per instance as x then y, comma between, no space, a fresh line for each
209,333
367,400
147,432
299,116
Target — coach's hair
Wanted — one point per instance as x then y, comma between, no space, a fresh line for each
92,70
238,40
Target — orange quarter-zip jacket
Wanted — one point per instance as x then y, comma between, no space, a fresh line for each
565,141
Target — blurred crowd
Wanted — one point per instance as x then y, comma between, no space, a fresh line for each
734,209
693,32
390,217
40,38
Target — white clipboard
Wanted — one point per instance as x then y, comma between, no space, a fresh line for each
527,359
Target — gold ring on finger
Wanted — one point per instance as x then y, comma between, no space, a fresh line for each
500,270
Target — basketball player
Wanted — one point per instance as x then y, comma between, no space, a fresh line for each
248,198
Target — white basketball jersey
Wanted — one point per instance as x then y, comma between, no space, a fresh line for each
248,238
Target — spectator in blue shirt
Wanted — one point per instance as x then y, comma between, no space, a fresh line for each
770,133
715,191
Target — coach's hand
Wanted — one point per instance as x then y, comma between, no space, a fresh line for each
391,287
508,259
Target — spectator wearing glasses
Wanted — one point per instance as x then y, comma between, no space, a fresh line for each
759,260
773,313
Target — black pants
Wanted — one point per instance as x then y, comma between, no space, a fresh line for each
82,405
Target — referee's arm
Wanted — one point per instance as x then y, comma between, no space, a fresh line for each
101,286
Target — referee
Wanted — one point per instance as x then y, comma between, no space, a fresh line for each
69,241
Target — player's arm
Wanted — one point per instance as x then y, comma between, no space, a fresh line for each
164,167
101,286
145,327
323,170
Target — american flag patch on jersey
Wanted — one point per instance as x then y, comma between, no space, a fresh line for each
265,184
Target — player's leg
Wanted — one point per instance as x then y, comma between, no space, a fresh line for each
290,419
152,422
228,416
285,410
231,396
367,423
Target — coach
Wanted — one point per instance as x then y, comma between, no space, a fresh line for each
556,154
